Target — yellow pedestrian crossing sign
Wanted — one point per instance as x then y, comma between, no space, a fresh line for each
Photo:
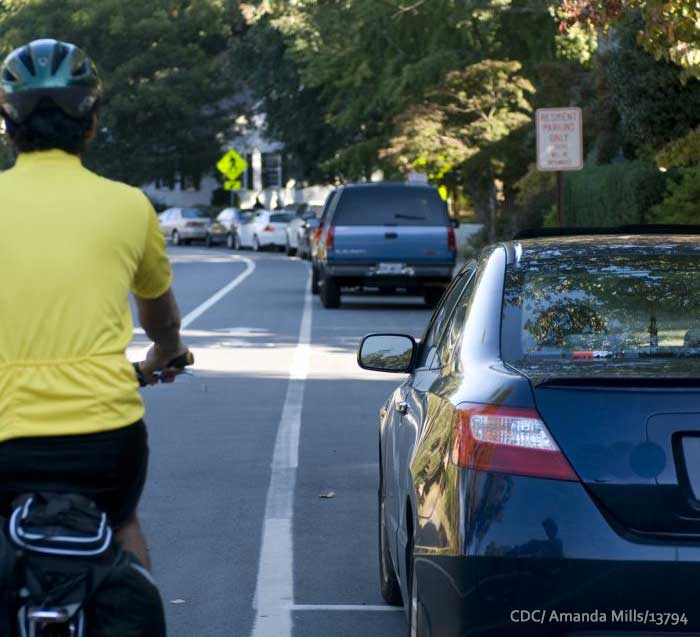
232,166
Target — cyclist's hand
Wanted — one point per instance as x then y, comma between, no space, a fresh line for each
157,361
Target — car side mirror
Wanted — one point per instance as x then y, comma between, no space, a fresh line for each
392,353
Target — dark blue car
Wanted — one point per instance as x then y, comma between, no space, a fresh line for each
386,236
540,467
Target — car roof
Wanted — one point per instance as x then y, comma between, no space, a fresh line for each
378,185
558,247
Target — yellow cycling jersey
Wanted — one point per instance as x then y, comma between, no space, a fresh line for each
72,246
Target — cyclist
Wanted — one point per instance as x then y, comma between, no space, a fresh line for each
72,246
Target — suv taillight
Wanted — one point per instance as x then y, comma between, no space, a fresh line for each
451,239
507,440
330,238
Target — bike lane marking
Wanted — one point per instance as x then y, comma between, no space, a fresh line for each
274,594
215,298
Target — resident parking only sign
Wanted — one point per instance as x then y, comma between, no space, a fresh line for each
559,139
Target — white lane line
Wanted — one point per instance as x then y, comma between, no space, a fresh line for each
344,608
215,298
275,584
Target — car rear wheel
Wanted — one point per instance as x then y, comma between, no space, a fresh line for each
418,624
389,583
315,287
330,293
237,242
256,244
230,242
175,238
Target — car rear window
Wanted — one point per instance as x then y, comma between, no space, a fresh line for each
281,217
391,206
626,303
193,213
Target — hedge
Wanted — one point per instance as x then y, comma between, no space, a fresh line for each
615,194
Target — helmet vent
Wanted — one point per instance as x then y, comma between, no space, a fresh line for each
8,77
59,54
81,70
27,60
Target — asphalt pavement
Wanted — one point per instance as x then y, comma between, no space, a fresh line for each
260,506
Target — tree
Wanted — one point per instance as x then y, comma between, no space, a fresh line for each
463,119
670,29
162,62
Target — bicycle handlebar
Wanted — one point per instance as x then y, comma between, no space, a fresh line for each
179,363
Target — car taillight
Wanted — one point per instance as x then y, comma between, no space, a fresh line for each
330,238
317,233
507,440
268,228
451,239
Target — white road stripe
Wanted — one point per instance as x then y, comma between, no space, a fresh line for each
344,608
275,584
215,298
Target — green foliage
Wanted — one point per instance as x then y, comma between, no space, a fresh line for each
682,203
617,194
681,152
654,106
163,72
670,30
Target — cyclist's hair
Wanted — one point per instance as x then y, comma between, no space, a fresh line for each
48,128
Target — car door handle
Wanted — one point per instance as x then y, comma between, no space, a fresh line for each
402,407
391,235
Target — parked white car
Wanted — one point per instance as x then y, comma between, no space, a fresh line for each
264,230
225,227
183,225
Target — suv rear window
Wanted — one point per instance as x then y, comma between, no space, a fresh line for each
621,306
193,213
390,206
281,217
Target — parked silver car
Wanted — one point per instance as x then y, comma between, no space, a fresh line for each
225,227
184,225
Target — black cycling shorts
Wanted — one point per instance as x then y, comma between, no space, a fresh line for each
109,467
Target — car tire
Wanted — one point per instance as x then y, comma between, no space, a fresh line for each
187,242
230,241
175,238
418,623
256,244
315,287
209,241
237,242
432,296
330,293
388,582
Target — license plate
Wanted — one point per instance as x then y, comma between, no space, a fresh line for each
391,268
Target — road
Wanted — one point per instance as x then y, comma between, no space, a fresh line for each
277,415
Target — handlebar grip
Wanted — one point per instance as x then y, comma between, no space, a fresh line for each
182,361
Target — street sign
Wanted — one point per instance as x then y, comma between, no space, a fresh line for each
559,139
232,166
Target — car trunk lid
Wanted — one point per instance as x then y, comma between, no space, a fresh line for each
634,443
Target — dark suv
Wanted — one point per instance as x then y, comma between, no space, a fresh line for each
390,236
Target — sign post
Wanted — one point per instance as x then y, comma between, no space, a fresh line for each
232,166
559,146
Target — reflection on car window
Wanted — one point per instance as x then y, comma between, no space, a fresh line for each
624,302
448,348
429,346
